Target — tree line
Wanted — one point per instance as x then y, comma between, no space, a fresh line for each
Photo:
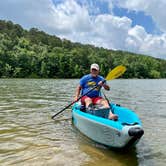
36,54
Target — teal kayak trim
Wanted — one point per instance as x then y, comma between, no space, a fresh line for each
127,130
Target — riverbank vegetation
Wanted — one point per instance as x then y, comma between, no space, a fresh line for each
36,54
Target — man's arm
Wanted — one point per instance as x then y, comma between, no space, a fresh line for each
106,87
78,89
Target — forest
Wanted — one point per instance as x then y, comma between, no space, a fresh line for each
36,54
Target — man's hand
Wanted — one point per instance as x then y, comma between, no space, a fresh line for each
75,99
101,83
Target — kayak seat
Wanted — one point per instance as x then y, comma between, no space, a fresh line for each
100,111
96,110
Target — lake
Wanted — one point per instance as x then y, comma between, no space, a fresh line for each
28,135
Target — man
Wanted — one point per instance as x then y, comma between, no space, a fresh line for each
88,82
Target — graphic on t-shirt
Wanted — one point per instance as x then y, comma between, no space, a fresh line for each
91,84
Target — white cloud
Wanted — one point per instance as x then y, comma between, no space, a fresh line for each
111,30
71,16
135,38
27,13
140,41
155,45
154,8
138,32
68,19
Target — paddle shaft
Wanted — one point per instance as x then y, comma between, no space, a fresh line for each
106,97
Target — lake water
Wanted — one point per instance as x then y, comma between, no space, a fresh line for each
28,135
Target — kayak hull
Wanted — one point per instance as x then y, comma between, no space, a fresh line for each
127,131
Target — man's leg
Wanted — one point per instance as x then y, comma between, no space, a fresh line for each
101,101
105,103
87,101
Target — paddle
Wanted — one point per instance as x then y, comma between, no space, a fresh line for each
116,72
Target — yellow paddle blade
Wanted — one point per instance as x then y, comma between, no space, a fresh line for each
116,72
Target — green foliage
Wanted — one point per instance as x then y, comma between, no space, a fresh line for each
35,54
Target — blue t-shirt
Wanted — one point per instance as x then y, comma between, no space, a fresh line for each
87,82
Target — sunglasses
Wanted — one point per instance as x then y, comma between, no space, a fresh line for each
94,70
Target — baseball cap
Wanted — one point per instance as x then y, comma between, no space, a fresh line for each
94,66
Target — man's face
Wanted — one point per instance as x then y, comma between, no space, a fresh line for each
94,72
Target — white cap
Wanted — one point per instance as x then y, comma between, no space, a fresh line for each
94,66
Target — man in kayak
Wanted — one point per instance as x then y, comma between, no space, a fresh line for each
88,82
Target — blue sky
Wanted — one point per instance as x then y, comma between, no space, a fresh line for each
133,25
138,18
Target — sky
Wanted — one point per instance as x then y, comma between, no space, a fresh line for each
137,26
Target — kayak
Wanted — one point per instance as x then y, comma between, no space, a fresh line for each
124,132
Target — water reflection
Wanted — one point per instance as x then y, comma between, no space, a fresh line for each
101,155
28,135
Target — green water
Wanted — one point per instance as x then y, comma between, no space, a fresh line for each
28,135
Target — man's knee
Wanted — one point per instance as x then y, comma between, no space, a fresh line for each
88,100
105,103
85,99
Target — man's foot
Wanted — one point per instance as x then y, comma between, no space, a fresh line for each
113,117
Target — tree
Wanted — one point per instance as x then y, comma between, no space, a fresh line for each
34,53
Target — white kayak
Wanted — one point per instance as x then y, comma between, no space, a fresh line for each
124,132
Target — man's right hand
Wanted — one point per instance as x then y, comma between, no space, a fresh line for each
75,99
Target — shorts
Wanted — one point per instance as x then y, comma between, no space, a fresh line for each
94,99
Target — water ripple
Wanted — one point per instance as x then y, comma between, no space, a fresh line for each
30,137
